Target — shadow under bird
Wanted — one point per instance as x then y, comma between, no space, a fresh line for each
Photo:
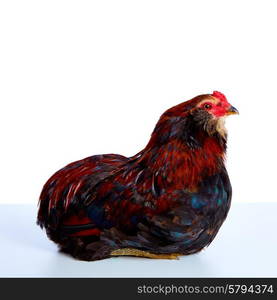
168,200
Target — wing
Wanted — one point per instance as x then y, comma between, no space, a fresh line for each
126,198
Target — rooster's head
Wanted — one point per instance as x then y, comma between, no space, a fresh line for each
191,119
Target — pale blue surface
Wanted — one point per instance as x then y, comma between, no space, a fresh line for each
246,246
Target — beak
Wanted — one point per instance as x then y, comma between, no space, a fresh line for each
232,111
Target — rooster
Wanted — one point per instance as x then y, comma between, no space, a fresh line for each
168,200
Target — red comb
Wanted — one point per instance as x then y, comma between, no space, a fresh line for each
219,95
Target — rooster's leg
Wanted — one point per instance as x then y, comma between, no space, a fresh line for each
141,253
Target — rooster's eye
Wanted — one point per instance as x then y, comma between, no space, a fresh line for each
207,106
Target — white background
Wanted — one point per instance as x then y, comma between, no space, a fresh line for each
87,77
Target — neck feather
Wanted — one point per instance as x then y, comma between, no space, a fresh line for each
184,163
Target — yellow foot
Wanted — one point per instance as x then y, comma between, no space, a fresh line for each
141,253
